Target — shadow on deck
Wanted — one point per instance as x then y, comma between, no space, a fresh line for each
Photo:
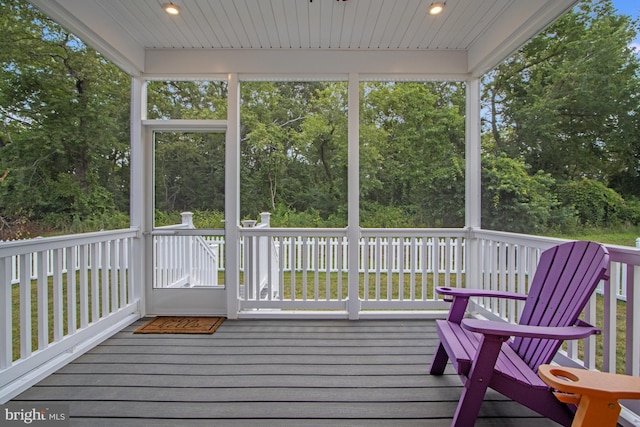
269,373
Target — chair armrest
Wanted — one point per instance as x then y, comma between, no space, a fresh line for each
460,298
503,329
467,293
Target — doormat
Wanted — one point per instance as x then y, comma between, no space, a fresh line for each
180,325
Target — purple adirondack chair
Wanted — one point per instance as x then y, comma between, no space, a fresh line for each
483,352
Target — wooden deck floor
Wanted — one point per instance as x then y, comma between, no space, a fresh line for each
269,373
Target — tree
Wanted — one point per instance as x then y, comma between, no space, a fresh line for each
195,100
293,147
64,142
412,151
512,199
567,101
189,172
189,167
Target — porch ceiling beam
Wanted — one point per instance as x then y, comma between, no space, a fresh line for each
77,16
500,41
449,64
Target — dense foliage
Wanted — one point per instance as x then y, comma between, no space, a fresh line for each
64,141
561,138
567,104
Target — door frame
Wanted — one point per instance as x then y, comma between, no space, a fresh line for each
177,301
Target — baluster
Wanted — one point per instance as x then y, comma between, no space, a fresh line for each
43,300
378,261
120,268
315,262
339,258
293,260
435,262
25,306
84,285
632,321
72,311
424,245
609,323
95,283
57,295
413,261
327,249
6,337
305,265
366,255
104,270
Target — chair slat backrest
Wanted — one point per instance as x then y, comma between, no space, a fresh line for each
565,279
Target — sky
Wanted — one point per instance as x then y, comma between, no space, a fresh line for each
631,8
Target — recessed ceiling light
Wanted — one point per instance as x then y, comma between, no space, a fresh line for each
171,9
436,8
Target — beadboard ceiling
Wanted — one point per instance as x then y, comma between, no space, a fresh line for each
482,32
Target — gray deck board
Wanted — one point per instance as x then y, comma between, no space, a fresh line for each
184,369
269,373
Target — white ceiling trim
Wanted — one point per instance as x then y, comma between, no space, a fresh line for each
364,77
320,61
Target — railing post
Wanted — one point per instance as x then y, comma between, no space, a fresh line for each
249,262
187,219
472,252
264,256
265,219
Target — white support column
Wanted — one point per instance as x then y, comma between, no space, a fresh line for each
473,168
353,191
141,209
472,155
232,196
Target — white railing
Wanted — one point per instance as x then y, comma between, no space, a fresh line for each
204,262
400,268
507,261
184,260
326,259
33,260
70,290
307,268
311,286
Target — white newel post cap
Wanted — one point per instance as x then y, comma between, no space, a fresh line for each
187,219
265,218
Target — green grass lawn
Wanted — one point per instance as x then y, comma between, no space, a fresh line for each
622,237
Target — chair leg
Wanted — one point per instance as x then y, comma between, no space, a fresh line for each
477,382
469,405
439,362
597,412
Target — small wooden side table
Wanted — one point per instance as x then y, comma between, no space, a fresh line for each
595,393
